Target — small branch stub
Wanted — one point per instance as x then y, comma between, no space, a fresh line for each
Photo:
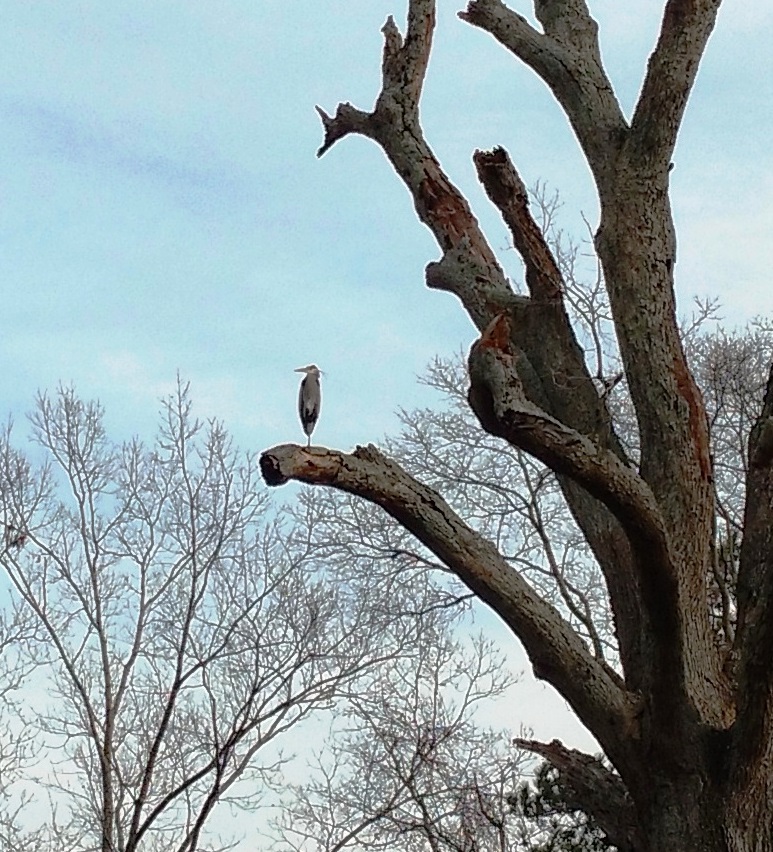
348,119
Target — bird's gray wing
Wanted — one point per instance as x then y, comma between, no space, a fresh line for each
308,404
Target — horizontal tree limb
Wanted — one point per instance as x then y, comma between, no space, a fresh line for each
557,653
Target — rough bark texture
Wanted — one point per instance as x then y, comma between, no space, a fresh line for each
687,726
588,785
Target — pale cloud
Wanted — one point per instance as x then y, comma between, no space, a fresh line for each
188,168
725,252
134,374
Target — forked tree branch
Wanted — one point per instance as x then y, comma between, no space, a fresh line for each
558,380
468,270
568,58
394,126
637,249
497,398
557,653
404,63
550,355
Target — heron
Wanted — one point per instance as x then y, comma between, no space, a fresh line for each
309,399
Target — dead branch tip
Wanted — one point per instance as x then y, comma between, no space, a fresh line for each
271,470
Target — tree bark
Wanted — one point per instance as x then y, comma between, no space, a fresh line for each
688,728
556,652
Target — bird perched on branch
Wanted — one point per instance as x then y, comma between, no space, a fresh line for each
309,399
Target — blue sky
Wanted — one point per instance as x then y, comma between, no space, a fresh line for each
162,209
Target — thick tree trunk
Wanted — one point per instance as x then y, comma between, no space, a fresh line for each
683,815
692,814
688,725
675,788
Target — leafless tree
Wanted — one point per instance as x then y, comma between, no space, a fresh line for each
182,635
407,767
16,735
515,501
687,720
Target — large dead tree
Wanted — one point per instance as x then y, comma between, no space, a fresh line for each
688,721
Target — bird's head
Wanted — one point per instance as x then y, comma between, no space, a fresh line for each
311,370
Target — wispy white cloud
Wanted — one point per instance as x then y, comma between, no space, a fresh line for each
189,170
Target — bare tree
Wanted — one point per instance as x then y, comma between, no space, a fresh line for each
181,635
516,502
17,751
686,723
508,497
407,767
